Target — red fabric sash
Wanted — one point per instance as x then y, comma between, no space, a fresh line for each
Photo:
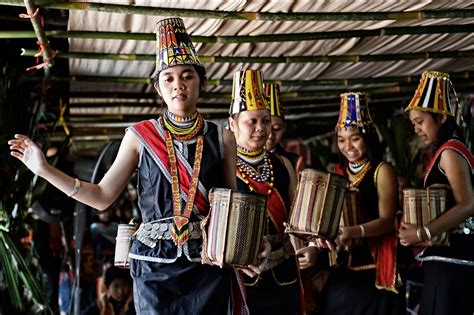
383,249
147,130
275,204
457,146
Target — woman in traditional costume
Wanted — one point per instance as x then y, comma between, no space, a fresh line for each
306,255
365,277
277,289
179,158
272,95
448,270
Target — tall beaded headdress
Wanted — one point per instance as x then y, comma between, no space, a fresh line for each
354,112
174,46
247,92
432,94
272,94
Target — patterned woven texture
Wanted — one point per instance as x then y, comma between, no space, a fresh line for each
122,245
421,206
351,213
174,47
233,231
317,207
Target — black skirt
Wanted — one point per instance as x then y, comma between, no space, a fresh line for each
448,289
182,287
354,292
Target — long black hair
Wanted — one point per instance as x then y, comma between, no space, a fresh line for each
448,130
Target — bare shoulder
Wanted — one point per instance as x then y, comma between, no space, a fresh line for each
385,173
451,160
451,156
386,169
131,143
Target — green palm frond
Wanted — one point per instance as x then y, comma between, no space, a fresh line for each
19,278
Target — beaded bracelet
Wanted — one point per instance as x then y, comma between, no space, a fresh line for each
75,187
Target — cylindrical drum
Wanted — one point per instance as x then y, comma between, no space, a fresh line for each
122,245
350,209
350,213
316,209
421,206
297,242
233,232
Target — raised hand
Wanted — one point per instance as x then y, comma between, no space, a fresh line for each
24,149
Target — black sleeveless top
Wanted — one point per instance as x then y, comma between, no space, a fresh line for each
460,250
369,208
155,196
285,273
292,157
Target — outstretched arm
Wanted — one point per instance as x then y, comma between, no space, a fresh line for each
99,196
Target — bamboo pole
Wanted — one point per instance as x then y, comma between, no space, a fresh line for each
47,52
388,31
293,98
273,60
263,16
316,82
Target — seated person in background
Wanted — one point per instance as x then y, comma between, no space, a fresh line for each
103,235
118,297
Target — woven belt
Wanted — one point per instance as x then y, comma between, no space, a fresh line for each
467,227
150,233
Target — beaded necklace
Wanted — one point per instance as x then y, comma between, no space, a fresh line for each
356,177
355,167
250,156
260,172
177,118
182,128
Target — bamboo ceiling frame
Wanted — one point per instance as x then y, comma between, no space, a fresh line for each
271,60
262,16
322,82
387,31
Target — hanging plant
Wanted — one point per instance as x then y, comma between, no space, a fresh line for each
20,289
25,293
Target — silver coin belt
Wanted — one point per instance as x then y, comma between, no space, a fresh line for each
152,232
467,227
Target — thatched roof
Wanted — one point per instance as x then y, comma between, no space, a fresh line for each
316,49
